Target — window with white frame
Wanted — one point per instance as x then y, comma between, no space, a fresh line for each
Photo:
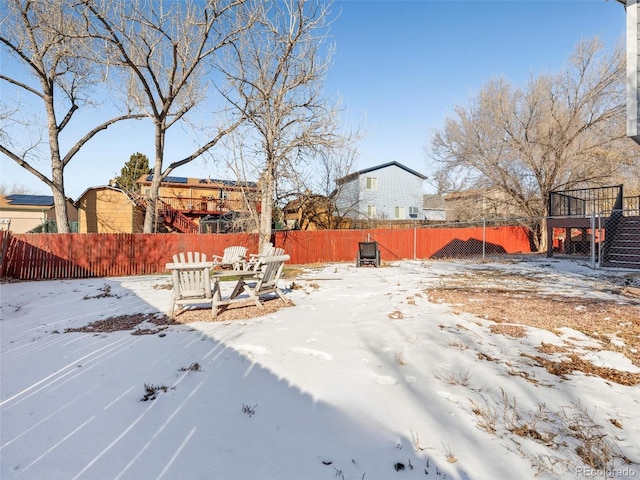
413,212
372,183
399,212
371,211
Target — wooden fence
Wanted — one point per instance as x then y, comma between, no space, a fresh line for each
73,255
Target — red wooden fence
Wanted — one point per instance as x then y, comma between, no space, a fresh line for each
73,255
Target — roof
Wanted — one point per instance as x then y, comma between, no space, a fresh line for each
29,200
199,181
472,193
433,202
101,187
306,199
351,176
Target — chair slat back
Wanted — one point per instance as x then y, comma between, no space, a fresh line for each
189,257
270,271
268,251
233,256
191,282
267,248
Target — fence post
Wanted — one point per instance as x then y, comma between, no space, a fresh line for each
593,241
484,237
415,239
4,241
601,238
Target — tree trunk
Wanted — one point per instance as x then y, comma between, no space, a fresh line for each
152,199
266,202
57,169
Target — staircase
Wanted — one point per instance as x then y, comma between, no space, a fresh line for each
174,219
169,216
622,244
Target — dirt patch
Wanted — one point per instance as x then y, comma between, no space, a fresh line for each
150,324
576,364
140,323
233,312
614,324
515,331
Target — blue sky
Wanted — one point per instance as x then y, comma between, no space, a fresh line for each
400,67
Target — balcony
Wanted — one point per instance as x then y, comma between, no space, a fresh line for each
203,206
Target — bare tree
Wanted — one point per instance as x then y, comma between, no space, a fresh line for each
164,51
331,168
14,189
45,41
561,131
276,77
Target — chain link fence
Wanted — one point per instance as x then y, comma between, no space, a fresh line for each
617,239
50,226
608,239
483,238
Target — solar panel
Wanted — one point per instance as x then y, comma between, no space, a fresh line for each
175,180
20,199
228,183
169,179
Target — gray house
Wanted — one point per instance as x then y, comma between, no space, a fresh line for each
389,191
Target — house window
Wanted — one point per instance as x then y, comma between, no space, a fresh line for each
372,183
371,211
413,212
399,211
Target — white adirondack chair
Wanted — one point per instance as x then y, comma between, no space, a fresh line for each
266,281
268,251
232,257
191,282
254,257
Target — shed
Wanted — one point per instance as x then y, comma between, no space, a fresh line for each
108,209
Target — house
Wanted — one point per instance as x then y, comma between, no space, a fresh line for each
475,204
198,197
192,199
434,208
22,213
108,209
390,191
310,211
182,203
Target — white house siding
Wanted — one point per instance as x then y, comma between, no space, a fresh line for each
348,199
396,188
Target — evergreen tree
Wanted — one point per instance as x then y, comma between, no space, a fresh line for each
134,168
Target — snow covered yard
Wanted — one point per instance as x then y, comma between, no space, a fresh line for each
454,370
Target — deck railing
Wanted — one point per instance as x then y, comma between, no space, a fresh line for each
585,201
205,205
